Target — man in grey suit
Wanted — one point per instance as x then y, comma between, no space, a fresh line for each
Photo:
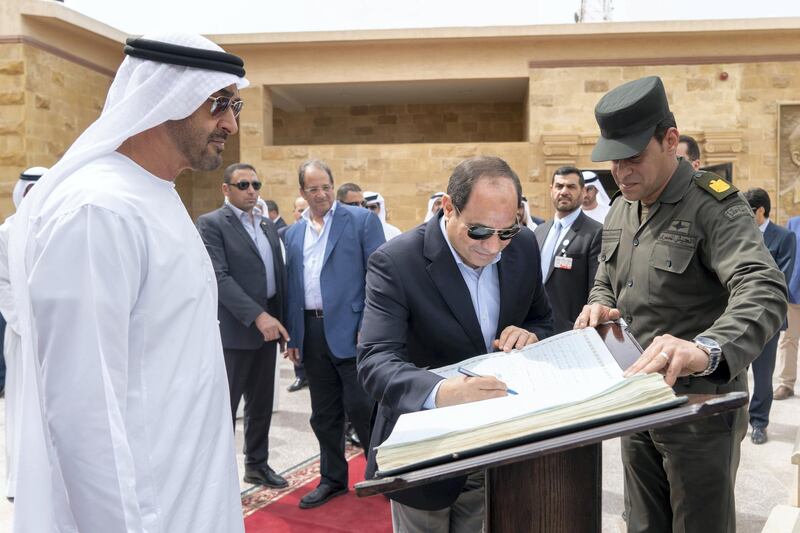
251,277
570,244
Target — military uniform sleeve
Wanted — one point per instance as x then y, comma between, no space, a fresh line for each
733,248
602,291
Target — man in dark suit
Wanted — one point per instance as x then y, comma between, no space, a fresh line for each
570,244
326,254
274,215
465,283
251,279
781,244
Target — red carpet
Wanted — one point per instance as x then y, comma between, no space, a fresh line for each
346,513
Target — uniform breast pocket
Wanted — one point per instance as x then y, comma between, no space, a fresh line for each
673,282
609,245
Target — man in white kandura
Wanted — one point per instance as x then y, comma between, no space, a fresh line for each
375,203
126,424
596,203
11,339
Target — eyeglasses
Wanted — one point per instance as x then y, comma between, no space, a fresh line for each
222,103
314,190
243,185
478,232
356,204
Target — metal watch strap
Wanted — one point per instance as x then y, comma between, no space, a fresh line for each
713,361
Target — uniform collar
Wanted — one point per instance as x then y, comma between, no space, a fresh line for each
678,184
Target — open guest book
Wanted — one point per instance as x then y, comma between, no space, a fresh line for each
564,383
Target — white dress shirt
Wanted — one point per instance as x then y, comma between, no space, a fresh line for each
252,226
314,245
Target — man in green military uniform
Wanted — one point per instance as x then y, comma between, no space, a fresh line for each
682,262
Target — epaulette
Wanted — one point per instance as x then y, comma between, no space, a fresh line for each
716,186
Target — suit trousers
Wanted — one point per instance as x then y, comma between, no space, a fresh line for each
465,515
251,373
763,368
787,348
681,479
335,390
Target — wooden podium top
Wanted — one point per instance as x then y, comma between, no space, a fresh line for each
625,351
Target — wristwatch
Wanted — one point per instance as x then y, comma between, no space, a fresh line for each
711,347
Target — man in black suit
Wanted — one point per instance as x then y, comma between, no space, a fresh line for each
251,277
569,244
781,244
274,215
465,283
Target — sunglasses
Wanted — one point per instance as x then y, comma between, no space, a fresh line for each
356,204
478,232
222,103
373,207
243,185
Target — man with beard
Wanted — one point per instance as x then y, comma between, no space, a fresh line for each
126,418
570,244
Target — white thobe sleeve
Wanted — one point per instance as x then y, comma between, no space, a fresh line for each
87,270
6,296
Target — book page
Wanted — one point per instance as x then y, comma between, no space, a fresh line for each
562,369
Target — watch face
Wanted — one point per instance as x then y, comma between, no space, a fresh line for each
710,343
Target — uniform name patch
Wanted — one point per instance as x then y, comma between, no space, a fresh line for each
738,210
678,239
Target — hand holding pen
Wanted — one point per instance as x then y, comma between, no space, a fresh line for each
471,374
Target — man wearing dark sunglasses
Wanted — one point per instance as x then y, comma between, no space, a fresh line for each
465,283
127,418
350,194
245,250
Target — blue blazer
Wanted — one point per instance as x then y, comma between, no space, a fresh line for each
794,280
781,244
354,234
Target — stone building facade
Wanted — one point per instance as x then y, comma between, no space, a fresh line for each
396,110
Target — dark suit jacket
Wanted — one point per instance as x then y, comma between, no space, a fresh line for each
354,234
241,276
568,290
419,314
280,223
781,244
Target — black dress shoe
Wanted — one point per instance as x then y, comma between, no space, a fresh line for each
320,495
759,435
264,476
298,384
351,436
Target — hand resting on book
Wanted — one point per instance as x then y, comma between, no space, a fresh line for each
668,355
514,338
671,356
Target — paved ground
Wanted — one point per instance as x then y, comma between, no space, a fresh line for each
764,475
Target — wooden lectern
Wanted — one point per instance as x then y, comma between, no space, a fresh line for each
554,484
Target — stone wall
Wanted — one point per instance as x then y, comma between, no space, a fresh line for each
401,123
45,103
735,119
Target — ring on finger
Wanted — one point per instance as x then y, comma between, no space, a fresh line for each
665,355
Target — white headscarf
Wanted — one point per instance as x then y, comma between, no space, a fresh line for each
26,179
372,198
590,178
143,95
431,201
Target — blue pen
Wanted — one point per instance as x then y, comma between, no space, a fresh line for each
471,374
